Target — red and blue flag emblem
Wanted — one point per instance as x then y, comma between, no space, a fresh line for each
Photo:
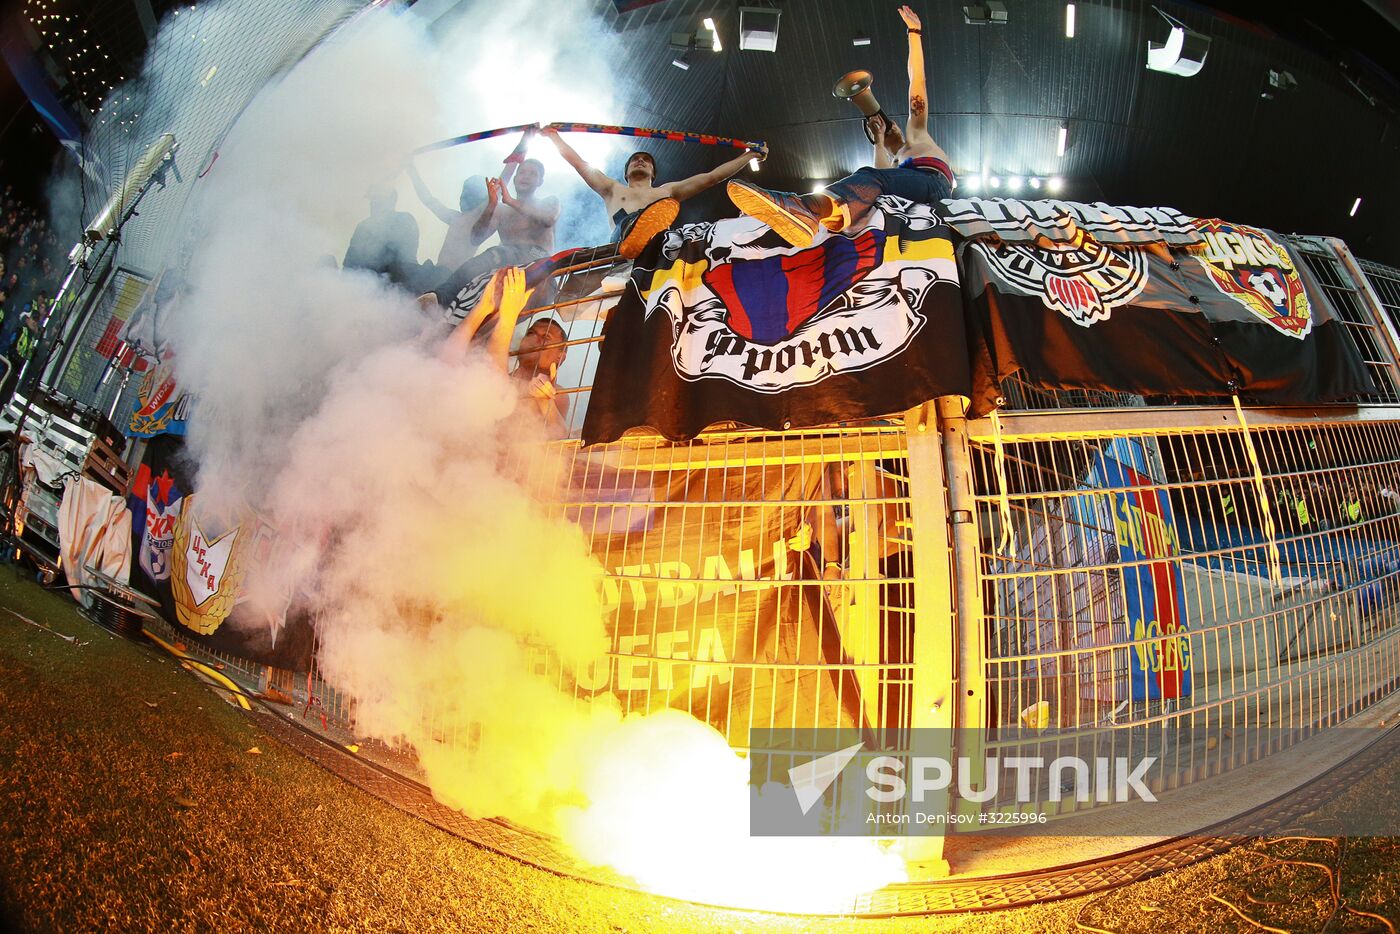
768,299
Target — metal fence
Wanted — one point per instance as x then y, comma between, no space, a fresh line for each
1067,636
92,375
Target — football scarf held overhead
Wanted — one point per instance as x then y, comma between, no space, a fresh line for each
1237,314
724,321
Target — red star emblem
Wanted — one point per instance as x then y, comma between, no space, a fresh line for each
163,484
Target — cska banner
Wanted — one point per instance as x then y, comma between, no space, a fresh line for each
1236,313
196,568
160,406
1160,660
713,600
724,321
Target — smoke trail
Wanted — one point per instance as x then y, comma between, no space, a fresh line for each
397,478
320,400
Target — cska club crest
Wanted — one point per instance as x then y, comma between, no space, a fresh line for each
206,574
1247,265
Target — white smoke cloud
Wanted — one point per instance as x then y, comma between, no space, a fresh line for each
408,490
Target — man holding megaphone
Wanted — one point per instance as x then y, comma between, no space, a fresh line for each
908,164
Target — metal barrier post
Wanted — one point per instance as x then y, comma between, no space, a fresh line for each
860,622
935,638
970,676
1367,292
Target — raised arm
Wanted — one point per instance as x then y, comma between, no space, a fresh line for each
883,160
456,344
486,218
593,178
918,90
690,187
512,299
442,211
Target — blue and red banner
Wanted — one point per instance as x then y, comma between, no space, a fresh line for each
1149,550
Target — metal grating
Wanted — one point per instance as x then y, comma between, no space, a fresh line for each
1064,618
90,377
204,67
1385,281
1350,304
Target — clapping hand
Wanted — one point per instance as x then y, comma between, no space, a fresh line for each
542,387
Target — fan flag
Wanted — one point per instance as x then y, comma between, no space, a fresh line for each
1239,313
197,573
725,322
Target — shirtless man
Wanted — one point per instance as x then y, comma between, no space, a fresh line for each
921,175
460,242
639,208
524,221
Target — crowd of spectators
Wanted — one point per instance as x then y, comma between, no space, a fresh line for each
28,279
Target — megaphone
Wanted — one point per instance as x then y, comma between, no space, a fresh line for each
854,86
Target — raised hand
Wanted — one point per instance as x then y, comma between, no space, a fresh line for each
893,137
759,152
493,191
911,19
542,387
512,285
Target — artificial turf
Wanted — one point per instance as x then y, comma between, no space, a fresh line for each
130,801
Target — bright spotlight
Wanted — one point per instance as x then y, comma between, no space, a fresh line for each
1055,184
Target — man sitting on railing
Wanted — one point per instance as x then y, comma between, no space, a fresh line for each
641,209
922,175
524,221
